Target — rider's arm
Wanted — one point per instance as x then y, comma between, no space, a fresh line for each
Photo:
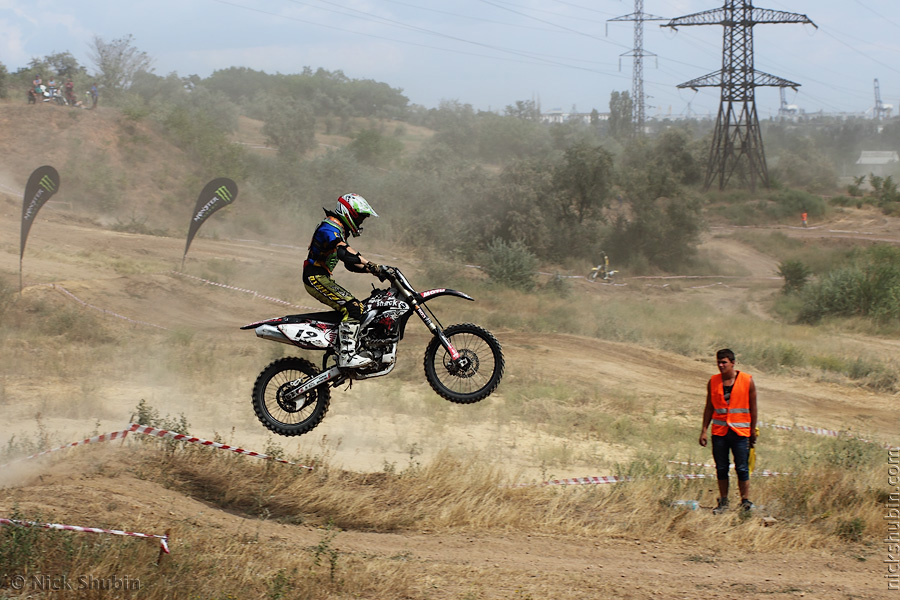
707,414
352,259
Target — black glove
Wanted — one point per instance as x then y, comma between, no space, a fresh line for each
379,271
385,272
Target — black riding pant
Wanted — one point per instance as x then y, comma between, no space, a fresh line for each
327,291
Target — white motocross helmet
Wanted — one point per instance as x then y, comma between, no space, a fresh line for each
353,210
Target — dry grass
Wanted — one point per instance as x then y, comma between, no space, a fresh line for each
833,500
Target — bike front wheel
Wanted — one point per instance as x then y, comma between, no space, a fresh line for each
295,416
477,372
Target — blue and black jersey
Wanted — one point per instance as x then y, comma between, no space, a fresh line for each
322,257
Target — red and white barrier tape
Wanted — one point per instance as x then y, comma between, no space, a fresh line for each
244,290
825,432
97,438
597,480
163,539
763,473
693,464
605,479
805,428
151,431
103,310
161,433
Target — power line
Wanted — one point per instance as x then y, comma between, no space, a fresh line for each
585,8
563,27
877,14
536,58
468,17
579,18
860,52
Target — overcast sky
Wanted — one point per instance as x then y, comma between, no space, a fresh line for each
487,53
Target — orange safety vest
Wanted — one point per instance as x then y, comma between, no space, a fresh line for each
736,412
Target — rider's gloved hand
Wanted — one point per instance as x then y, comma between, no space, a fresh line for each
379,271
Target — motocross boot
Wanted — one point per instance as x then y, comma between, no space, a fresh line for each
348,333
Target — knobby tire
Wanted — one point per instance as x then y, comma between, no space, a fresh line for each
289,418
475,383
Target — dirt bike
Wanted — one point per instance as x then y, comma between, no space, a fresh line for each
463,363
46,94
602,271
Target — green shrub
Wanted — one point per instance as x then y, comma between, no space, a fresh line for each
869,288
795,275
20,547
373,148
789,204
850,529
558,286
773,356
510,264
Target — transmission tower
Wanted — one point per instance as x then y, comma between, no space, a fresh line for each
637,53
737,144
882,111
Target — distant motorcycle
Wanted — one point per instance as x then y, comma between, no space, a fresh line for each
602,271
46,94
463,363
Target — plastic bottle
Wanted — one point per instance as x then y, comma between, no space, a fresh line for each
691,504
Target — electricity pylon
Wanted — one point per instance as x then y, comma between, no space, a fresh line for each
882,111
737,144
637,53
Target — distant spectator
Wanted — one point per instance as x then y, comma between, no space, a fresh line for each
36,91
70,93
803,218
95,93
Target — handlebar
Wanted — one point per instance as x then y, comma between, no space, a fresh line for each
396,277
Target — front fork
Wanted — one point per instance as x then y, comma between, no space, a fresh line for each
434,329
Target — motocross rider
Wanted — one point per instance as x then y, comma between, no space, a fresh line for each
328,246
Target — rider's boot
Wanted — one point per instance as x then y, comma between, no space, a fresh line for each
348,333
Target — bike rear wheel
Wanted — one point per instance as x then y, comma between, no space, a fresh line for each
289,417
478,372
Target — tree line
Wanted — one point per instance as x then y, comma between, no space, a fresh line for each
560,192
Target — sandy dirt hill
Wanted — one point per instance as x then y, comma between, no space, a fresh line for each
93,150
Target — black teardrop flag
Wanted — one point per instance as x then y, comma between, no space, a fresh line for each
42,184
217,193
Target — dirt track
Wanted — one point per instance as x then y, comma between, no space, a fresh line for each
88,263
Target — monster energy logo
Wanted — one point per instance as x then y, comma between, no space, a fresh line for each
221,194
47,183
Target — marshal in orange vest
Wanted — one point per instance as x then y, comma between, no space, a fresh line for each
735,413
